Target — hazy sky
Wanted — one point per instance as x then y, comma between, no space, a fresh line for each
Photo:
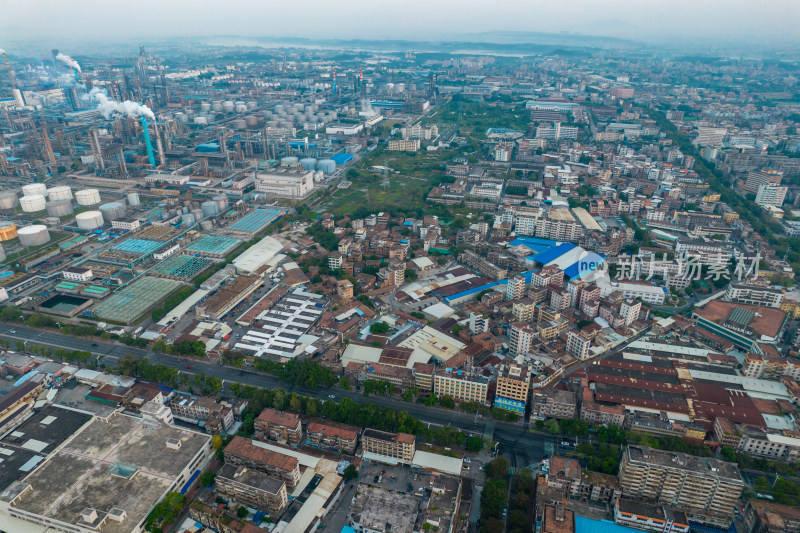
68,21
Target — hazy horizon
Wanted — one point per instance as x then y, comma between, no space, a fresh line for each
674,21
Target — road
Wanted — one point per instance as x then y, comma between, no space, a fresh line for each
521,447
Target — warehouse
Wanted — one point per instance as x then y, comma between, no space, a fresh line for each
255,221
259,255
135,300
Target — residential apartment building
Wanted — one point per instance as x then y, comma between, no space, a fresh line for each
252,488
629,311
252,453
520,338
558,230
388,447
698,484
201,411
513,384
549,276
403,145
344,438
515,289
552,403
461,386
771,195
556,132
578,345
757,178
279,426
418,131
749,294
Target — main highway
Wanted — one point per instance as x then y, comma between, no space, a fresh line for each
523,448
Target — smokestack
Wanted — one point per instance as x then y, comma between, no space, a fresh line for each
162,161
167,135
96,150
10,72
122,164
334,81
47,146
147,142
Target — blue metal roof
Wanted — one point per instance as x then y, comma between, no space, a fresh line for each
587,264
553,253
341,159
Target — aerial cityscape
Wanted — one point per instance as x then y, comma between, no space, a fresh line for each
510,276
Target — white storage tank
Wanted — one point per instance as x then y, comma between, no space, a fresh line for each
227,106
286,161
239,124
59,208
318,175
205,106
88,197
241,108
328,166
112,211
33,203
2,253
206,225
252,105
309,163
133,199
222,202
198,214
181,117
216,106
187,219
200,120
33,189
89,220
251,120
35,235
210,209
8,200
59,193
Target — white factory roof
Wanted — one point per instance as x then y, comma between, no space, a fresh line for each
422,262
360,354
662,347
586,219
258,255
439,463
756,388
429,342
782,439
439,310
183,307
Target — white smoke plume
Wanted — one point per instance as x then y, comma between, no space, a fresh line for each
71,63
2,51
109,107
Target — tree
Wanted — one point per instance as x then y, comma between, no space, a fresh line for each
207,479
242,512
344,383
447,402
350,473
497,468
379,328
216,442
474,443
552,426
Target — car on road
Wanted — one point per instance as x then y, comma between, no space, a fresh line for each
467,460
188,368
13,331
94,345
331,396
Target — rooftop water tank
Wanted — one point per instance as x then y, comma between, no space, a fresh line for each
35,235
33,203
88,197
89,220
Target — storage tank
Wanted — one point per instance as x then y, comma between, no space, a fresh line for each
241,108
251,120
59,193
318,175
239,124
210,209
35,235
133,199
187,219
33,189
222,202
8,230
206,225
181,117
200,120
88,197
2,253
252,105
112,211
59,208
89,220
228,106
33,203
216,105
309,163
8,200
285,161
328,166
205,106
198,214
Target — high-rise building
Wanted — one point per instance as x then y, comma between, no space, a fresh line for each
757,178
520,338
578,345
478,323
515,288
513,384
771,195
699,484
461,386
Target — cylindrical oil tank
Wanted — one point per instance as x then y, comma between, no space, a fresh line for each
318,175
210,209
206,225
88,197
181,117
8,200
222,201
32,204
252,105
241,108
133,199
251,120
8,230
239,124
216,106
288,160
198,213
2,253
59,208
200,120
112,211
89,220
205,106
187,219
59,193
33,235
227,106
309,163
328,166
33,189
